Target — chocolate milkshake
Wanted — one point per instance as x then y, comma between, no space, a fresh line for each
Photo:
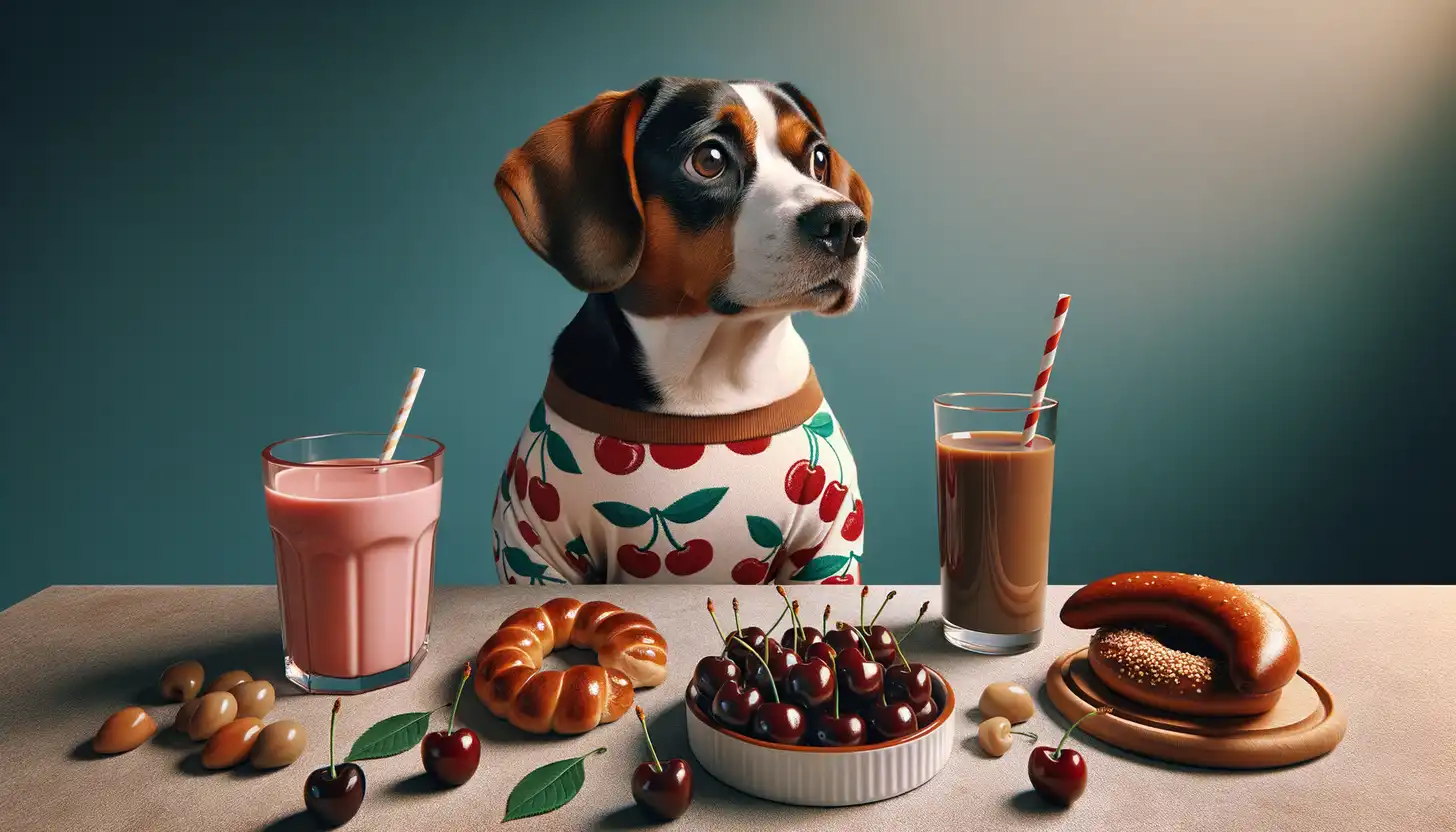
995,503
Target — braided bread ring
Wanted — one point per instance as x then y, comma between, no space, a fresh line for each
510,682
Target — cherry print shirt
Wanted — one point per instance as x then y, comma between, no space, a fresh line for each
576,506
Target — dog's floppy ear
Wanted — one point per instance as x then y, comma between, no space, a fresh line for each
572,190
842,176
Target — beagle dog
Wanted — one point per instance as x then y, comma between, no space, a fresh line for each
682,434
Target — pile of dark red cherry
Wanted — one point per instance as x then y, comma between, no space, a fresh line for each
844,687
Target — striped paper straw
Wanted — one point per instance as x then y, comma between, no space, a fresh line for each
1048,355
405,405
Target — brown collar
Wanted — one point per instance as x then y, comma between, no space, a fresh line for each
667,429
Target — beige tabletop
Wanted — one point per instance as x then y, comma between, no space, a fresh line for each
69,656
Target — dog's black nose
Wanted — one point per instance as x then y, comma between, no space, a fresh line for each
839,227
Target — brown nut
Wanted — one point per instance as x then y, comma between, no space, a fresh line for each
1007,699
214,710
182,682
279,745
124,730
254,698
229,680
184,714
232,743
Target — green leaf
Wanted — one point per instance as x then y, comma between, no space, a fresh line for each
764,532
538,417
390,736
521,563
822,424
622,515
695,506
548,788
820,568
577,546
560,453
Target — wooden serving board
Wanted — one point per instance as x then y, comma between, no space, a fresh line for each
1306,723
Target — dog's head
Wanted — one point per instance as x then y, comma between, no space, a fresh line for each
689,197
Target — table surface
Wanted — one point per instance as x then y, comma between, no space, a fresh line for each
73,655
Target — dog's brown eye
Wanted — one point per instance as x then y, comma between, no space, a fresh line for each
819,163
709,160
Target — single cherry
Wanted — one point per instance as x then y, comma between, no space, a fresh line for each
834,729
853,523
821,651
906,680
528,534
837,580
713,672
843,640
693,557
544,499
750,571
811,684
891,720
804,482
452,756
749,447
675,457
832,501
638,562
799,557
926,713
1059,776
664,790
858,675
334,793
777,721
753,637
881,641
734,705
775,669
618,457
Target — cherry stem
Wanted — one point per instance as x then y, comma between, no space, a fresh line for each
333,718
824,625
1025,734
763,660
775,625
642,717
788,609
718,627
923,607
864,593
737,625
450,729
798,626
870,654
899,652
882,607
834,671
1056,755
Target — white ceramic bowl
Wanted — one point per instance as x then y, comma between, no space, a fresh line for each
811,776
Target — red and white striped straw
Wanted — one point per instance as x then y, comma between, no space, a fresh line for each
1048,355
402,416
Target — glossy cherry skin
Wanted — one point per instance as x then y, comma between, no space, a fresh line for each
756,639
882,644
780,722
838,731
334,800
821,651
791,641
780,662
927,713
712,673
451,758
912,684
859,676
1060,779
663,794
842,640
891,721
809,684
735,705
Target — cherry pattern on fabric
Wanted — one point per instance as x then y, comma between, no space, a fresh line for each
686,558
811,532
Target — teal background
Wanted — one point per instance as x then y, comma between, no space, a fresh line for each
226,224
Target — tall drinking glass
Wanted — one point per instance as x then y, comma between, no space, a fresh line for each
354,542
995,514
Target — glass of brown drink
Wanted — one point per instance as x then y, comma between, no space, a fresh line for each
995,508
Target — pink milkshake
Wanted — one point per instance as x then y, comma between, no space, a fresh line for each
354,542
